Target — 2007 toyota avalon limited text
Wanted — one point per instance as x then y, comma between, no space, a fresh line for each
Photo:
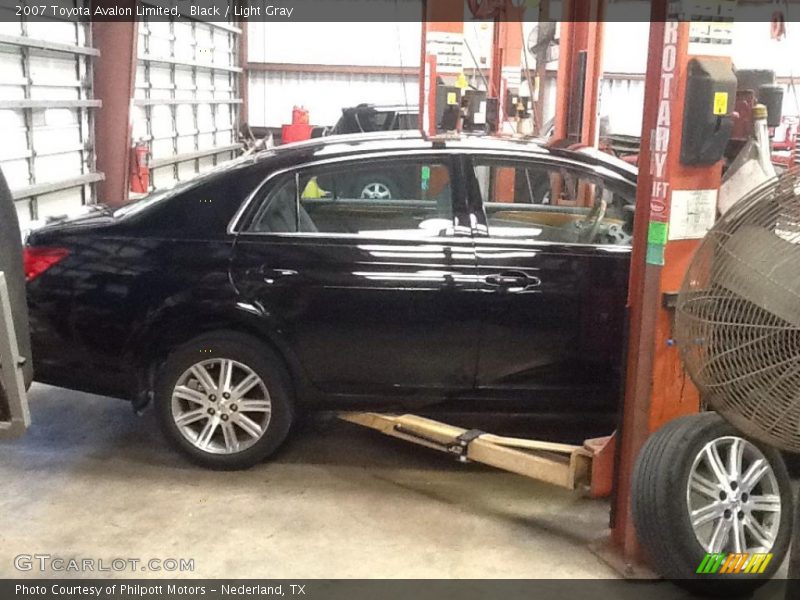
370,272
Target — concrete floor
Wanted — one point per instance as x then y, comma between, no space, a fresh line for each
90,479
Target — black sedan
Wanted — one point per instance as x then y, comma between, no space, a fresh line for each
267,287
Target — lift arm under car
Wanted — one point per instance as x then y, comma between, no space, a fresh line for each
563,465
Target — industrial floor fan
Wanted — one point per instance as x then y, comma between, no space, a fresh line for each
717,479
738,315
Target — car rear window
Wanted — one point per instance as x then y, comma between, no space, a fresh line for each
204,209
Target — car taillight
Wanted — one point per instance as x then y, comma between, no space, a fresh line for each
38,260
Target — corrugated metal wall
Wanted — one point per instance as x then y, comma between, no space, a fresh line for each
46,115
326,67
186,101
622,102
335,44
272,94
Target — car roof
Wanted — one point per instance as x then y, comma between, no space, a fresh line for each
353,145
410,140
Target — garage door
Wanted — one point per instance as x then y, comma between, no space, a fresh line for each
46,114
186,103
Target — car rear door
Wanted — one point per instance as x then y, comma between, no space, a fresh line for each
554,291
365,288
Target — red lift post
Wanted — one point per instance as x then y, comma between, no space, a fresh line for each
442,20
657,388
506,57
580,70
580,67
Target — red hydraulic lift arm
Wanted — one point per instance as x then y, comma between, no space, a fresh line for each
580,67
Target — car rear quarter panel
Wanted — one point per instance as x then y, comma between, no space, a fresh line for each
96,314
93,314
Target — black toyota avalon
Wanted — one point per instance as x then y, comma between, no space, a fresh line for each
489,274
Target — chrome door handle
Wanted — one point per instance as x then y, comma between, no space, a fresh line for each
504,280
512,279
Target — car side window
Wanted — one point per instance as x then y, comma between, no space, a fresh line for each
375,198
542,202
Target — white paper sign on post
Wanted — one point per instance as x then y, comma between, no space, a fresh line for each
692,213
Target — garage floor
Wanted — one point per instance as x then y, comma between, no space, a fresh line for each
92,480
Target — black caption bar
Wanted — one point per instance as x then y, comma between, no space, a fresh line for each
163,589
374,10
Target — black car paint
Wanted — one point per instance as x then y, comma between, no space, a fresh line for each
355,323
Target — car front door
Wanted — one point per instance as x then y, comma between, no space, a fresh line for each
360,265
552,244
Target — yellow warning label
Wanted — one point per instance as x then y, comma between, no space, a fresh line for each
452,98
721,103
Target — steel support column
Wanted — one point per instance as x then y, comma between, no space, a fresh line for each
115,73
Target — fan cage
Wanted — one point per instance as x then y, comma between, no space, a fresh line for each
737,320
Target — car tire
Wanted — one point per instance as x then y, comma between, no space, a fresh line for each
662,503
221,421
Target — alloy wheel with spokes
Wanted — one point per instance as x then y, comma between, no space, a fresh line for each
376,191
221,406
733,497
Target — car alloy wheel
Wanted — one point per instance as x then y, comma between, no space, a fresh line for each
376,191
221,406
733,497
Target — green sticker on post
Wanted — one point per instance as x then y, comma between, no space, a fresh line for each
657,233
426,172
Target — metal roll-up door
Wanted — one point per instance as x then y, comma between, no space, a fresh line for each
186,104
46,115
